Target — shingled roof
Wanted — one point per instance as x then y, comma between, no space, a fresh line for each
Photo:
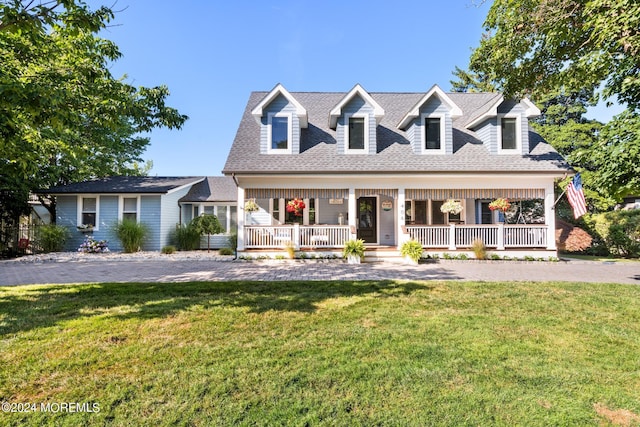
125,184
318,152
212,189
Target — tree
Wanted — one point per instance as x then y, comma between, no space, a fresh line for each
63,116
560,53
537,46
207,224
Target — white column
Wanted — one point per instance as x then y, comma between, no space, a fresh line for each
353,220
500,236
452,237
550,217
402,237
241,218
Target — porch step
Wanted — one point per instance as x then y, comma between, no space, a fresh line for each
382,254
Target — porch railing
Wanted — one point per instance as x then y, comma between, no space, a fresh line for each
499,236
299,236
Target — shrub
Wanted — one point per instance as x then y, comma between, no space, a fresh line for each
226,251
233,241
131,234
479,249
186,237
291,252
411,249
169,249
619,231
51,237
207,224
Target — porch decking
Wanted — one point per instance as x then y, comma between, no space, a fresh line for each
450,237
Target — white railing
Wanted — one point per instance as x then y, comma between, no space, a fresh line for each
499,236
299,236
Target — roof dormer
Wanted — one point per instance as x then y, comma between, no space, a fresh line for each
355,119
280,117
429,123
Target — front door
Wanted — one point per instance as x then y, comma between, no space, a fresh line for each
367,219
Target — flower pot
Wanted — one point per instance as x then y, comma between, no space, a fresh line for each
410,261
353,259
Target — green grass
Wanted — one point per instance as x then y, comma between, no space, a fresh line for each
323,353
598,258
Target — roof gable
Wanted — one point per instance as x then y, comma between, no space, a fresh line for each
301,112
434,91
357,90
212,189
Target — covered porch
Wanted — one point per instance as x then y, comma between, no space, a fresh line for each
388,216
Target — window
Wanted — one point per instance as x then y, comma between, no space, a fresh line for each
130,208
89,211
275,211
279,133
356,138
437,216
508,131
432,133
312,211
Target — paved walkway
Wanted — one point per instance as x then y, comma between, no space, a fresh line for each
184,270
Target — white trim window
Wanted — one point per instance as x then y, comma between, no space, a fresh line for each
279,133
433,133
129,208
509,135
88,212
226,215
356,133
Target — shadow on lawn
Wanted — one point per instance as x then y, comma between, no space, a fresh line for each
46,306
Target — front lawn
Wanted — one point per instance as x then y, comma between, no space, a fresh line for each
322,353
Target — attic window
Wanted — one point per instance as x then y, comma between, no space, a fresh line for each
279,129
356,135
509,137
433,134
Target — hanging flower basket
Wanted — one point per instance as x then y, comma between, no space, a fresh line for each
251,206
295,206
500,204
451,207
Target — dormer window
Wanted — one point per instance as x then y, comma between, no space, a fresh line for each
279,131
356,133
509,137
433,134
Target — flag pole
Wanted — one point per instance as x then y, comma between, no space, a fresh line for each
559,197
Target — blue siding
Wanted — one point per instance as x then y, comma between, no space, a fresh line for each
328,213
386,219
150,209
432,106
67,216
357,106
108,217
170,215
488,134
280,105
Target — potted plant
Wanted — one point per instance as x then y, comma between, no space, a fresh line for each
451,207
251,206
295,206
411,250
353,251
500,204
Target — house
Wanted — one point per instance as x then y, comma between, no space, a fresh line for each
93,207
380,166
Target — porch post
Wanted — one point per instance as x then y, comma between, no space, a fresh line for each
353,221
452,237
241,218
500,236
550,217
402,237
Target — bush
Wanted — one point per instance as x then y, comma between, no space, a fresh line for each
169,249
186,237
131,234
353,247
51,237
226,251
479,249
619,231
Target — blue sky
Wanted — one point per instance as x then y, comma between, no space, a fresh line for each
213,54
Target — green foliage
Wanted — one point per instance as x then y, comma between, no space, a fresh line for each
353,248
51,237
131,234
185,237
63,116
233,241
226,251
168,250
411,249
619,231
479,249
291,252
207,224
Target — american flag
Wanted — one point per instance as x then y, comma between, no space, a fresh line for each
576,196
